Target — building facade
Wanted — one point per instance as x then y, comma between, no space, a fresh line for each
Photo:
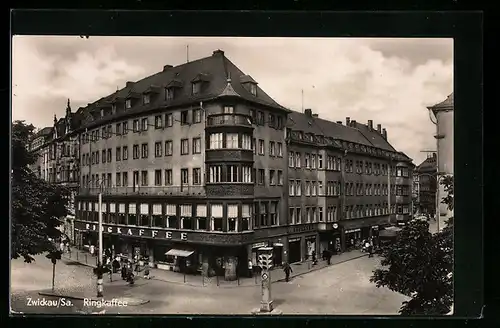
199,168
443,119
58,160
426,182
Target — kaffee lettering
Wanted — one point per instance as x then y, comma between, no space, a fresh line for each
168,235
129,232
110,229
183,236
141,232
154,233
119,230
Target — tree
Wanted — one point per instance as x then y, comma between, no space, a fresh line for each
419,265
36,204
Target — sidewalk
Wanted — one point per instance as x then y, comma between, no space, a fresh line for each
277,275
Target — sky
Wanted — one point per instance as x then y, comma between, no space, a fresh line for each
390,81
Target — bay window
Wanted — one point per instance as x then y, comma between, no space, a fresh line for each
158,216
232,140
246,142
232,217
247,174
215,173
132,214
144,218
216,140
201,217
186,217
246,217
171,214
232,173
216,219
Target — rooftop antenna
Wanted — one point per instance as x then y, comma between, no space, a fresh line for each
187,53
302,96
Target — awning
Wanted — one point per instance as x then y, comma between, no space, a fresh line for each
179,252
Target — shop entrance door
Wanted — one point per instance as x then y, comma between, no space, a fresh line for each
277,256
294,251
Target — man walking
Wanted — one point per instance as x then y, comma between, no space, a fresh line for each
288,269
250,268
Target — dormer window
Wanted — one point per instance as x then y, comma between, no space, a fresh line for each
169,93
253,89
128,103
146,99
196,87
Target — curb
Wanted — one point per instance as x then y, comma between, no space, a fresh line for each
67,261
134,302
317,269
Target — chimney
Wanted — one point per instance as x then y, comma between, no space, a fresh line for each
315,115
370,125
379,128
348,121
353,123
339,122
384,133
308,112
129,84
167,67
218,52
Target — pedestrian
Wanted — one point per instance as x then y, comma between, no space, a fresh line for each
328,257
91,249
368,248
124,272
287,269
61,246
314,259
146,271
250,268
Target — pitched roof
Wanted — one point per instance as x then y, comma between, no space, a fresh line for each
215,69
427,164
358,134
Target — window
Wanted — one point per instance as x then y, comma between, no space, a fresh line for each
144,178
125,127
216,140
118,154
261,147
146,99
197,176
313,161
196,145
128,103
228,109
271,121
201,217
158,177
262,176
135,126
254,145
158,122
280,149
196,87
158,149
298,188
197,115
247,174
297,160
253,89
291,159
171,214
169,93
279,124
169,120
104,155
97,157
232,140
263,214
185,117
125,153
272,148
169,148
272,177
157,220
186,217
215,173
118,128
184,146
184,177
216,222
291,188
132,214
144,150
246,142
260,118
125,179
144,124
232,217
307,161
118,178
246,217
280,177
168,177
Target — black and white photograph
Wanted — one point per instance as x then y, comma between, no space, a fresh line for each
232,176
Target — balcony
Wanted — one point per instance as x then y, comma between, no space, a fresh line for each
222,155
216,120
229,189
145,191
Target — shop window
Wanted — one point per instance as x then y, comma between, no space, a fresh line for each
246,217
232,217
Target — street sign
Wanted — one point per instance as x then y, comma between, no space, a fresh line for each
264,276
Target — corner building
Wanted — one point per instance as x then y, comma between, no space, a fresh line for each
193,165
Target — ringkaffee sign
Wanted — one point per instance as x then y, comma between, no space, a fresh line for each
137,232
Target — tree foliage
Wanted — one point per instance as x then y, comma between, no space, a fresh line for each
36,205
420,265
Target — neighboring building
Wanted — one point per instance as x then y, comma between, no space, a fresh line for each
58,149
443,113
199,168
425,177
